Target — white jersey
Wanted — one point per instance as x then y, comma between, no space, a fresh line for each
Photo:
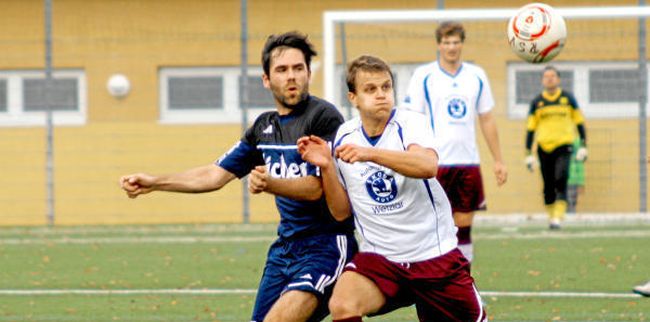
404,219
451,103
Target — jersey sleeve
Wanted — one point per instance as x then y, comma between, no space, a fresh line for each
485,100
415,99
324,126
243,156
417,131
531,121
576,113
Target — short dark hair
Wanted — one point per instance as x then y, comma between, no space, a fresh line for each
365,63
291,39
450,28
551,67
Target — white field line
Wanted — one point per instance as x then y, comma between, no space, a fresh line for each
645,233
252,291
498,220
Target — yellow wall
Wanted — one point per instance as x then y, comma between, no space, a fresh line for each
137,38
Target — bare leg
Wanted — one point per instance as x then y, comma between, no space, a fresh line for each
355,296
293,306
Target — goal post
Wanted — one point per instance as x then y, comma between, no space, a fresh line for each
603,63
332,18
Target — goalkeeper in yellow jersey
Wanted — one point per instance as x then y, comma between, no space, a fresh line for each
553,121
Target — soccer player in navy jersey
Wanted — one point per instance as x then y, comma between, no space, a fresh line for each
312,247
383,174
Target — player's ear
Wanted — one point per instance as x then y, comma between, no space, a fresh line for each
266,82
352,97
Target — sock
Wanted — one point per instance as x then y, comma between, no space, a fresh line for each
560,209
350,319
464,236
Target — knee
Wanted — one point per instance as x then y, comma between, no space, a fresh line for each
341,307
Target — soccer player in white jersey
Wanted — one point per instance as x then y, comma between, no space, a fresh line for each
383,173
453,94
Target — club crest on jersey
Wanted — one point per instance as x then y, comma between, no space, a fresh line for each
381,187
457,108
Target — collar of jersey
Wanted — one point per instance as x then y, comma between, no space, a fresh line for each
448,73
374,139
297,110
552,97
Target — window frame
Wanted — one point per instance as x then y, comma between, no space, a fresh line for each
15,115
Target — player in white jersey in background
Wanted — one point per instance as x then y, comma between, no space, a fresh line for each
384,173
453,94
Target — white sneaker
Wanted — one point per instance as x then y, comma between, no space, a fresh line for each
554,224
643,289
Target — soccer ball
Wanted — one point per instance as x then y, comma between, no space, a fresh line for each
536,33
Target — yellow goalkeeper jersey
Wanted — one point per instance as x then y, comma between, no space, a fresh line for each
554,118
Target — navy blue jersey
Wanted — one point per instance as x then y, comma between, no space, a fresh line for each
271,141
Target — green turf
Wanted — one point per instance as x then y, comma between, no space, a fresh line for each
525,258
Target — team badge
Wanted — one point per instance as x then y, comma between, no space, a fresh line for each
456,108
381,187
564,101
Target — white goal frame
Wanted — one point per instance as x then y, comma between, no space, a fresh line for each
332,18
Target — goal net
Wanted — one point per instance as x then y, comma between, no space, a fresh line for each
600,64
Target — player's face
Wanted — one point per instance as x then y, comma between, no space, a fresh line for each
550,80
288,77
374,95
450,48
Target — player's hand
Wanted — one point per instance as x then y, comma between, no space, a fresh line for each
137,184
315,151
501,173
258,180
351,153
530,162
581,154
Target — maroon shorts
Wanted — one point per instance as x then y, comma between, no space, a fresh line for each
464,187
441,288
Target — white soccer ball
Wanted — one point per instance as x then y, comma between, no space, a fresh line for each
118,86
536,33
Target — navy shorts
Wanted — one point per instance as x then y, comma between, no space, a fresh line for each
309,264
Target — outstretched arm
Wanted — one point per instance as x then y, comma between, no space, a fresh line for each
316,151
415,162
489,129
206,178
302,188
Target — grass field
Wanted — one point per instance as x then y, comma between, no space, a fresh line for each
210,272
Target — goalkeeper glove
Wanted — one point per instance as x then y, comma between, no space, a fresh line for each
530,162
581,154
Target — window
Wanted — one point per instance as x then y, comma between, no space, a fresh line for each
63,96
613,85
209,94
602,89
195,92
24,100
